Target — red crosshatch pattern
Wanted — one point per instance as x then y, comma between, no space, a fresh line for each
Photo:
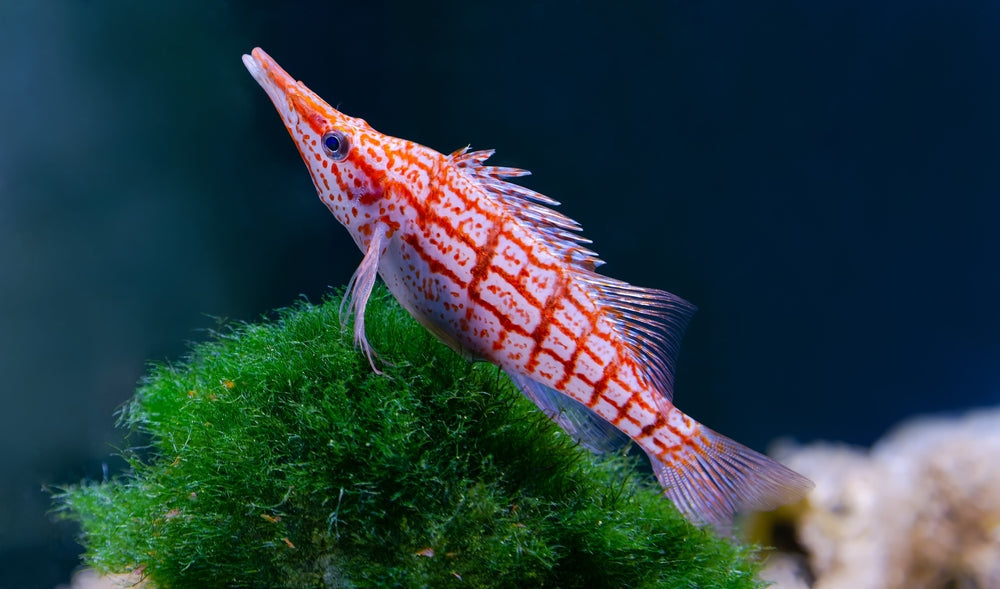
492,270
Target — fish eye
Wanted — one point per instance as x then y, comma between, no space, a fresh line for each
336,145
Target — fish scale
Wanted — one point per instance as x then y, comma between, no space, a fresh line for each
493,271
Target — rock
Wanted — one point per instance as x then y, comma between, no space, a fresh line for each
91,579
920,510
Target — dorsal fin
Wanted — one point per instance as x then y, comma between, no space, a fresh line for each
559,231
650,322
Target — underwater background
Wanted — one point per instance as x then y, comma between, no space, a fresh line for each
821,180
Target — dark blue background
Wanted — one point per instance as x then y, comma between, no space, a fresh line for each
820,179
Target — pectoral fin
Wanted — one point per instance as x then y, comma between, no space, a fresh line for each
359,289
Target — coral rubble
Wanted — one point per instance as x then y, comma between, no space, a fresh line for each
920,510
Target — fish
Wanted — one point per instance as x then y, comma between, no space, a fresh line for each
495,272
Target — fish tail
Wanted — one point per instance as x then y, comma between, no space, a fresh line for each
710,477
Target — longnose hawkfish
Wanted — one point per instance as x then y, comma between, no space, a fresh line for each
493,271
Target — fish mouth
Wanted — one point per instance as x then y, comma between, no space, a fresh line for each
279,86
294,101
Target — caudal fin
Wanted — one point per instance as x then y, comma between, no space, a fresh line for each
712,478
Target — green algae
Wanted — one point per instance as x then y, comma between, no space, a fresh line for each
273,456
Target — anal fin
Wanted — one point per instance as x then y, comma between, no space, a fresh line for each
580,423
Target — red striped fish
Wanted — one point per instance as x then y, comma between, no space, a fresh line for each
489,268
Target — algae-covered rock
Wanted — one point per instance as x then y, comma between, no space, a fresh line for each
274,457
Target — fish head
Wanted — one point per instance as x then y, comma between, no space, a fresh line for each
345,156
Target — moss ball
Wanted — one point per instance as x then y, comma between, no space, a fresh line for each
273,456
